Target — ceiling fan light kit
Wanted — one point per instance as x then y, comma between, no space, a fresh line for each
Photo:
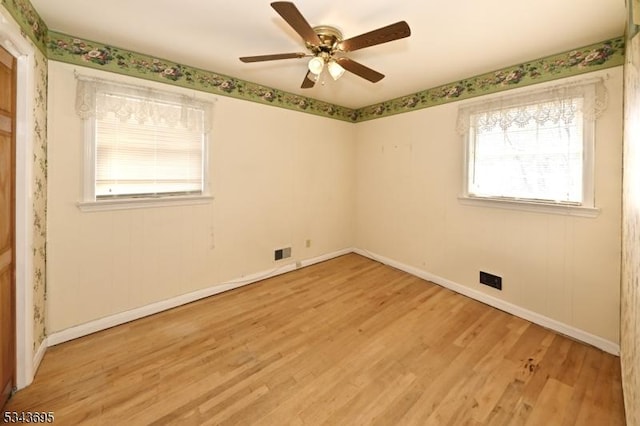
327,46
316,65
335,70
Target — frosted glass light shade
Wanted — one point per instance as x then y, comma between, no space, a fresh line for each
316,65
335,69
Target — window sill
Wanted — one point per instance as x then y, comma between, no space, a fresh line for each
530,206
142,203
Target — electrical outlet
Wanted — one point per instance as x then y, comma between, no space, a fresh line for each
307,243
491,280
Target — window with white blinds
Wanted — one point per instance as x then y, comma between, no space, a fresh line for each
529,161
142,143
534,148
148,158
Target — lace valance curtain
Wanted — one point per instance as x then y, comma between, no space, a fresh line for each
555,104
97,97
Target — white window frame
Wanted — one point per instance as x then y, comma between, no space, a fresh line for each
89,201
587,207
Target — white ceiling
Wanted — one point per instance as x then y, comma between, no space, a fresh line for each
450,40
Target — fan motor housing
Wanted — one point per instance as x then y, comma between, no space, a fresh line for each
329,36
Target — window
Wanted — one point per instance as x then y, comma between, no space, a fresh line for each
142,145
534,149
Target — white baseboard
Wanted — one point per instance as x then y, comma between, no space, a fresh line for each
560,327
124,317
325,257
37,359
154,308
32,369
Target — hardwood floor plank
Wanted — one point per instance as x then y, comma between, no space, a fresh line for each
549,407
598,401
348,341
503,412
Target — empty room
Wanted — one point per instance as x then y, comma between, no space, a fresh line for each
341,213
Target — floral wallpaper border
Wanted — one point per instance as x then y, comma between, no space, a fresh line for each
65,48
29,21
595,57
73,50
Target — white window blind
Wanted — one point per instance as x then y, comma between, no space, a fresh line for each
535,147
142,143
148,158
530,161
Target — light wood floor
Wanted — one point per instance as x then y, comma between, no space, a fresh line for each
345,342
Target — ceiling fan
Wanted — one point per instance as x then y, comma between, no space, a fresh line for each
325,44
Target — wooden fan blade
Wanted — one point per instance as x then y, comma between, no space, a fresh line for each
294,18
381,35
309,80
360,70
277,56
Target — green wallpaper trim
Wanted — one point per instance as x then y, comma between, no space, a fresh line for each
76,51
29,21
591,58
65,48
72,50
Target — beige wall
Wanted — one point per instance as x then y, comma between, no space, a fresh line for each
409,175
279,177
630,315
388,186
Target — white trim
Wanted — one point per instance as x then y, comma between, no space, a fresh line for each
88,165
324,258
589,157
529,206
37,359
124,317
141,203
12,39
586,90
560,327
88,92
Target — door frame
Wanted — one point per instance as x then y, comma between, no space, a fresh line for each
12,40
